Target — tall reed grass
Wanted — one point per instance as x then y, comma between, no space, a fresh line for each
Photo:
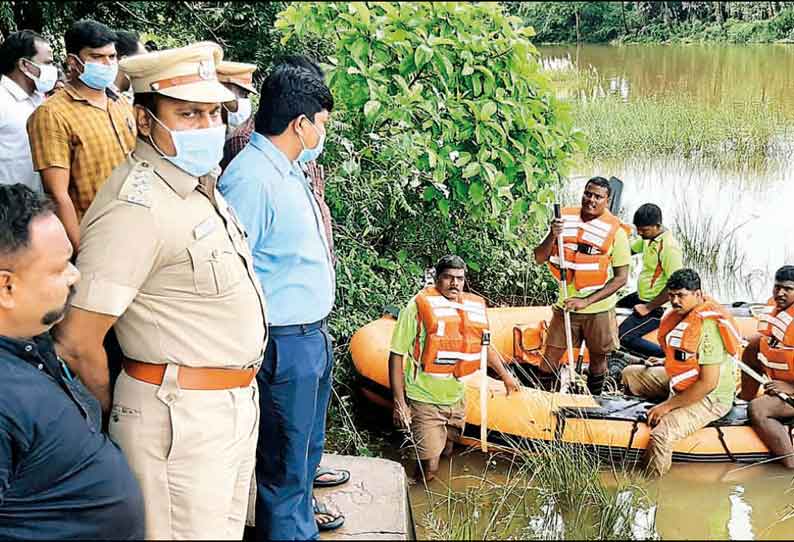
548,492
725,135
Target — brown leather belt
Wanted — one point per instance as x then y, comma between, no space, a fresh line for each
191,378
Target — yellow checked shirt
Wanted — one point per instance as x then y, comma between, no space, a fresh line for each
68,132
162,251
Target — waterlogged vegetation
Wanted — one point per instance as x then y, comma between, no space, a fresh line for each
659,22
727,135
723,133
546,492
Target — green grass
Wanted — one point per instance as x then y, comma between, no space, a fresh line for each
552,491
724,135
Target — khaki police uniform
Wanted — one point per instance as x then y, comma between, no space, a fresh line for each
162,251
238,73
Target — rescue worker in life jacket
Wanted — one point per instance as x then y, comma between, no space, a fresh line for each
699,340
597,258
436,341
661,257
772,350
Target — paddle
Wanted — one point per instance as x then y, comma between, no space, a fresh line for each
486,341
762,379
616,194
567,376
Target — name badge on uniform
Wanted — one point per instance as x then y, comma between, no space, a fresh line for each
205,228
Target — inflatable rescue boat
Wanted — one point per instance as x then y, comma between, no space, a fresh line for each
614,426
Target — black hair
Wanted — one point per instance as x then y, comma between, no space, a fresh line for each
684,279
785,273
147,100
19,206
88,33
600,181
648,214
450,261
127,43
17,45
300,61
287,93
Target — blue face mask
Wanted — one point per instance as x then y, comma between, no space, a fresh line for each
97,76
309,155
198,151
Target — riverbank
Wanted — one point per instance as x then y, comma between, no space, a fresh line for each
658,22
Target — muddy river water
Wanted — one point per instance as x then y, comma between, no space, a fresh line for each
744,214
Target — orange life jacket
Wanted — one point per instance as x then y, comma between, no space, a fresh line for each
586,248
679,338
453,340
777,343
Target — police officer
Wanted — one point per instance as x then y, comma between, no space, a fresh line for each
238,77
166,262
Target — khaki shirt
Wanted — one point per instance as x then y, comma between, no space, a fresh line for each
162,251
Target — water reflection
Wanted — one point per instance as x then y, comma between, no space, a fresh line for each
703,501
704,73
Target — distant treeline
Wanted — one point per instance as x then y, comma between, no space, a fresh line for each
734,22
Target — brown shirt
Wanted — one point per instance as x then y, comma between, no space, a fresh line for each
68,132
162,251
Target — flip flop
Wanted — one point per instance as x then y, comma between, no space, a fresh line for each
320,509
341,476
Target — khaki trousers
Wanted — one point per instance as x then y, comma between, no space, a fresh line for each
653,383
192,451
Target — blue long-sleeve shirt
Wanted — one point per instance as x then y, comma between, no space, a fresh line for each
273,200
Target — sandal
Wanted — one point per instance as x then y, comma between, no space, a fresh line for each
340,476
320,510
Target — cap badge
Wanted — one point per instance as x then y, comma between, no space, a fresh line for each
207,69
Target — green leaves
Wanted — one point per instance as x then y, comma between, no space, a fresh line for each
471,170
422,56
371,108
451,122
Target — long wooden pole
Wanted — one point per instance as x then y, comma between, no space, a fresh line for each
486,341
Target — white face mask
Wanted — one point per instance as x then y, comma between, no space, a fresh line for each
48,76
236,118
198,151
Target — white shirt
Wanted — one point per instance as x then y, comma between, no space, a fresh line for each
16,163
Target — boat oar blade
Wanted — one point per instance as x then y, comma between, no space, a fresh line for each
761,379
616,194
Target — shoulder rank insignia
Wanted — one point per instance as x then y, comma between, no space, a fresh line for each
137,187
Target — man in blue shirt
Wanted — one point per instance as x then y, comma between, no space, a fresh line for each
60,476
272,197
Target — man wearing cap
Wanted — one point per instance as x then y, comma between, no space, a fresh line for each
166,263
238,77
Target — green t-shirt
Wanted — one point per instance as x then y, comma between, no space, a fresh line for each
661,253
420,386
711,351
619,255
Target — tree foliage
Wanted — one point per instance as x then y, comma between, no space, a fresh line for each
737,22
450,140
245,30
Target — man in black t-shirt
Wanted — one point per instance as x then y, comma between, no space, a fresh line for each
60,476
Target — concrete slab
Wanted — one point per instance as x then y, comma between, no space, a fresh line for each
374,501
